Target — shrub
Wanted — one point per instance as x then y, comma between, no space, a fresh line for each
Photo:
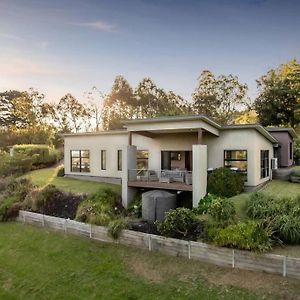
222,212
16,165
225,183
100,208
249,235
287,228
181,223
60,171
281,214
205,203
6,203
135,206
43,155
116,226
54,202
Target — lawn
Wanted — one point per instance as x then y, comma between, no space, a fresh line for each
46,176
40,264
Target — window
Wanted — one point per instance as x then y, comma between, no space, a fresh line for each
142,157
291,150
80,161
236,159
264,163
119,160
103,159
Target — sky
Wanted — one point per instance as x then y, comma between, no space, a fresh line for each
69,46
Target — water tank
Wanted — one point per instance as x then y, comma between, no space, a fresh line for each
156,203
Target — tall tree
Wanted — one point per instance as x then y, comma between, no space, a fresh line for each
205,99
70,115
279,95
220,98
119,104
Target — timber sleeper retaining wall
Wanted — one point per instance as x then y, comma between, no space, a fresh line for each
270,263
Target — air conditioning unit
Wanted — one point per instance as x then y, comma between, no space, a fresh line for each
274,163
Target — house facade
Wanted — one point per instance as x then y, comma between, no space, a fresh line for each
172,153
284,151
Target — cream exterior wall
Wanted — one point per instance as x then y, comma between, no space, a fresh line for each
240,139
229,139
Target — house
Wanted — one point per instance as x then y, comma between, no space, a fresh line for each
172,153
284,151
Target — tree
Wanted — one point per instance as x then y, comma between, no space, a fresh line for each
95,107
220,98
205,99
69,115
119,104
279,95
7,118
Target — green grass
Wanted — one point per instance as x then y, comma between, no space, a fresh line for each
39,264
46,176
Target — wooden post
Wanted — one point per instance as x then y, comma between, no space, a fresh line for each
129,138
284,266
189,249
149,243
233,258
200,136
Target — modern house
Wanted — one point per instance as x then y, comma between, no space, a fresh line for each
284,151
171,153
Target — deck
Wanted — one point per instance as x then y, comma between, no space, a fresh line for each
177,186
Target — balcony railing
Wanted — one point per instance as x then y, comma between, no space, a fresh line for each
161,176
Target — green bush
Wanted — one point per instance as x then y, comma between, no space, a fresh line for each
116,226
100,208
205,204
60,171
249,235
43,155
222,212
15,165
181,223
5,204
281,214
135,207
225,183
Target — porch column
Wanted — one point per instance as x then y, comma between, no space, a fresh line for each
130,138
200,136
128,163
199,173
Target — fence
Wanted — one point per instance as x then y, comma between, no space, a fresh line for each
270,263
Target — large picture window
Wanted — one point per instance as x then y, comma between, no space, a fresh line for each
119,160
264,163
142,157
236,159
80,161
103,159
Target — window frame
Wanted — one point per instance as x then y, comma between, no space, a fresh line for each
80,157
140,159
103,159
264,169
245,173
119,160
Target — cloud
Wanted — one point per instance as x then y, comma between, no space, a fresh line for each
10,37
98,25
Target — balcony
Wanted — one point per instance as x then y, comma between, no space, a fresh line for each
161,179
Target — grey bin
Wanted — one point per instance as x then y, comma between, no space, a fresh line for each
156,203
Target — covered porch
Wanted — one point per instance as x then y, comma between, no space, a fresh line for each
177,159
